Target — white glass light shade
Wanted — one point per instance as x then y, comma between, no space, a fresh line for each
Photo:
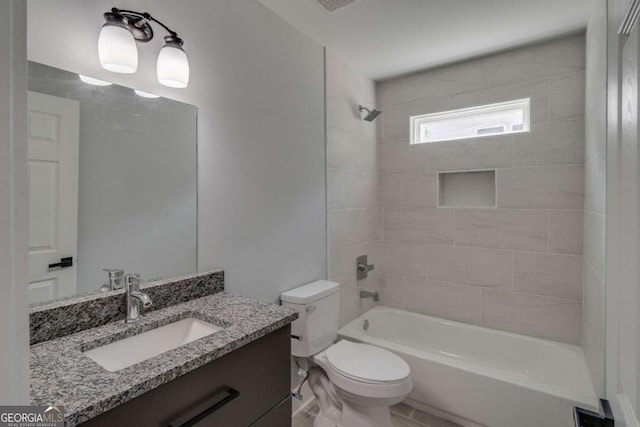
173,67
93,81
117,49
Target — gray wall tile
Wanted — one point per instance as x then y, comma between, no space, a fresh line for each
392,190
565,231
449,80
566,97
403,259
548,187
422,190
545,317
418,225
445,300
595,242
502,229
538,62
551,143
470,266
548,274
488,152
595,185
354,217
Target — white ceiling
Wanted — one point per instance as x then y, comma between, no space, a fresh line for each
384,38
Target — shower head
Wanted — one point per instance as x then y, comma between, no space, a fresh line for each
371,114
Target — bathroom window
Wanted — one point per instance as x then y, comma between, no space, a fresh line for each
475,122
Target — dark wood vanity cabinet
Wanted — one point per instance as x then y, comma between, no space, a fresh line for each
249,386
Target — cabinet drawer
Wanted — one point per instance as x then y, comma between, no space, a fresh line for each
259,372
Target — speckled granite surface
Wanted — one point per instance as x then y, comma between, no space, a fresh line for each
70,315
62,375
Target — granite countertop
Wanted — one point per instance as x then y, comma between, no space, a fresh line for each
62,375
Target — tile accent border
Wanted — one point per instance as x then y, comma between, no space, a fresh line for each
70,315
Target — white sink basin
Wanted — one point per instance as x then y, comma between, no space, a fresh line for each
129,351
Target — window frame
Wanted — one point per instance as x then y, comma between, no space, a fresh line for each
416,122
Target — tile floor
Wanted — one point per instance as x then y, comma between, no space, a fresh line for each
401,416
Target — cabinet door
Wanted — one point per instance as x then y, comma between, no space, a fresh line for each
259,372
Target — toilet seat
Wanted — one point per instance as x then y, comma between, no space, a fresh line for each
371,383
366,363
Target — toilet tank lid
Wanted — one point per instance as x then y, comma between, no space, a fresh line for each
310,292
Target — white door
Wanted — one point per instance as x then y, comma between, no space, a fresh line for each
53,133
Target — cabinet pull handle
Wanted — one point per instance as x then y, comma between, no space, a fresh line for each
205,409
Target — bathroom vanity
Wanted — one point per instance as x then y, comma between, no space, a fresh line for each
229,364
248,386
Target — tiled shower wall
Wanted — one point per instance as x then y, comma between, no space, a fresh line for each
519,266
593,326
354,221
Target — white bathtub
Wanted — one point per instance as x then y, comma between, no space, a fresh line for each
479,376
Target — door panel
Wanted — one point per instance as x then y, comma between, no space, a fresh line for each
53,136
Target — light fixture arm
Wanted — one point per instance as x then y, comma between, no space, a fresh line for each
139,25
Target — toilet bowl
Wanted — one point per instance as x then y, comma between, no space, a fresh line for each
366,381
353,383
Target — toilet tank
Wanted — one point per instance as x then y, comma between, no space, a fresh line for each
318,305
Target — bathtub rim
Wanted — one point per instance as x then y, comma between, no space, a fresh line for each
351,330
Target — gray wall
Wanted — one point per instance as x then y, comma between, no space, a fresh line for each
258,86
593,310
518,267
353,215
14,205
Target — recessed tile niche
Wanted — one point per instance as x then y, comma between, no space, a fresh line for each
470,189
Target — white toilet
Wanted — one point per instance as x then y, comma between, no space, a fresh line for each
354,384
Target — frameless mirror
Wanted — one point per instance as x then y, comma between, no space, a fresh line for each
113,184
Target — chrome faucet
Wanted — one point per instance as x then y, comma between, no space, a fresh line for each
373,295
135,297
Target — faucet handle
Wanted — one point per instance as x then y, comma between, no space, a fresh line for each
133,281
115,279
113,273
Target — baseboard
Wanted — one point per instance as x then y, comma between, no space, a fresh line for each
442,414
623,412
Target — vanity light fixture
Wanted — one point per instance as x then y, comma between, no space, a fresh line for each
118,51
145,94
93,81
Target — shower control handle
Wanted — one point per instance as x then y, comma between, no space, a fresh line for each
363,267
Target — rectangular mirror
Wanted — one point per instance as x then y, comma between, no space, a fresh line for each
113,184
